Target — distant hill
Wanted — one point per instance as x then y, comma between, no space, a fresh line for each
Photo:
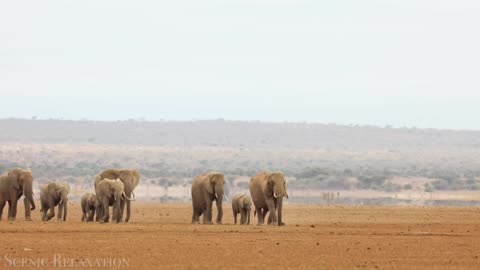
233,134
314,157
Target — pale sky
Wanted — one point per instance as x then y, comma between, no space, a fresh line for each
399,62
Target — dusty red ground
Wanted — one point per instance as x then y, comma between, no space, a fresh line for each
316,237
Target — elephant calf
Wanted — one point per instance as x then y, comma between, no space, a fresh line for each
242,204
89,204
51,195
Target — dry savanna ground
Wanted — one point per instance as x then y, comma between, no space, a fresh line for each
316,237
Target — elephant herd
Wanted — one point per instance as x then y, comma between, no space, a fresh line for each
267,190
114,187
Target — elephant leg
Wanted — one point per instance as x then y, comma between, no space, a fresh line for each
269,222
195,216
106,214
116,211
12,213
207,216
242,217
272,219
28,211
122,208
235,216
84,212
91,213
248,217
2,205
259,216
98,212
51,213
265,212
51,205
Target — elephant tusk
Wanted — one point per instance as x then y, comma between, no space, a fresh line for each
276,196
226,198
128,197
216,196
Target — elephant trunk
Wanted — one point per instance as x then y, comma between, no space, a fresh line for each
28,193
279,209
279,191
219,198
65,209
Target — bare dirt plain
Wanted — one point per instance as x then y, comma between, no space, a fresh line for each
316,237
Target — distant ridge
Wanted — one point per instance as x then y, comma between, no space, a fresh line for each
223,133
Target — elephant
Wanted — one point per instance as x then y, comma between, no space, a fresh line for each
206,188
13,184
130,179
241,204
89,205
267,190
110,193
51,195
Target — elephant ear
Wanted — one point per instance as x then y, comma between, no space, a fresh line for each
125,176
53,189
211,183
14,177
269,177
62,187
136,177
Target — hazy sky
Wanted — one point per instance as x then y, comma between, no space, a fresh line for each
399,62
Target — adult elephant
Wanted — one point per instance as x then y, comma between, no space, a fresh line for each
13,184
207,188
51,195
267,190
241,204
110,193
130,179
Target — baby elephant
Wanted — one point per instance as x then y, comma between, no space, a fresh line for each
51,195
242,204
89,204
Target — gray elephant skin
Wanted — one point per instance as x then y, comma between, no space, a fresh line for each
267,190
89,205
51,195
130,179
241,204
207,188
110,193
13,184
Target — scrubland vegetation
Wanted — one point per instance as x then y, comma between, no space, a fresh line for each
312,156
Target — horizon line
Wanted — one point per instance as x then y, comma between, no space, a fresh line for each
221,119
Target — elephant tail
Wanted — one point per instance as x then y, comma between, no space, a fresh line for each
125,195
